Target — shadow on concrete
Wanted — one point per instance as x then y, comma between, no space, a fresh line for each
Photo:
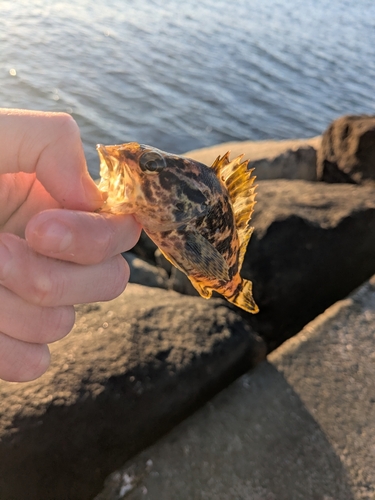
65,453
254,441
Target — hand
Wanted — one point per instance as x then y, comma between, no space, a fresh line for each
54,251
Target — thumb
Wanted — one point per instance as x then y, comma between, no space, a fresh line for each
48,144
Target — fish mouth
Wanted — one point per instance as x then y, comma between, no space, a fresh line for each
106,165
108,162
103,153
115,179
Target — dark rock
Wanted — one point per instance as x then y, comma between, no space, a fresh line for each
347,151
161,274
179,282
143,273
313,244
162,262
145,248
298,163
131,369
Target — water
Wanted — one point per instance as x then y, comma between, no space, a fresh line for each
183,75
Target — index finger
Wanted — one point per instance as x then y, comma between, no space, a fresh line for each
49,145
81,237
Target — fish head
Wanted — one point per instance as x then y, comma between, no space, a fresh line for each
162,190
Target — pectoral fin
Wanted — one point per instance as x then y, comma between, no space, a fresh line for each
204,257
187,267
198,259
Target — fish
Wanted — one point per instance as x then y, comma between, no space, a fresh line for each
197,215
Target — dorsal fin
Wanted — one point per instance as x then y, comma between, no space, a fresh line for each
220,164
239,181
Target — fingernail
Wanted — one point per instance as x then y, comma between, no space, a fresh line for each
55,237
5,260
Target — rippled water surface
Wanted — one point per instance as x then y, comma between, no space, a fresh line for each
182,75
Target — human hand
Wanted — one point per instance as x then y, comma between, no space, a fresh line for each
54,251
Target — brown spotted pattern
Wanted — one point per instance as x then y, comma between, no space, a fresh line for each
197,215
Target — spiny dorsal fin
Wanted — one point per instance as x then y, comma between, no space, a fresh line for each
238,180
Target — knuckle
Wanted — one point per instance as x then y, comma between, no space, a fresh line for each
66,124
44,290
40,289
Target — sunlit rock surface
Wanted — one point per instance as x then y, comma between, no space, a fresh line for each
287,159
299,427
130,370
347,151
313,244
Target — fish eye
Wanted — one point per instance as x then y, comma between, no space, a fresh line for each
152,162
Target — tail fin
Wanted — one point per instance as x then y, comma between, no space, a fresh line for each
244,298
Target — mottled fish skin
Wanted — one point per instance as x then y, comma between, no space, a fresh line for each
186,209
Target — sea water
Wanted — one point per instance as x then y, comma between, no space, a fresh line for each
183,75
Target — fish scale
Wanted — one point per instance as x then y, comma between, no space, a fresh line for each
198,216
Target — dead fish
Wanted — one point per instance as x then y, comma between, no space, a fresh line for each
198,216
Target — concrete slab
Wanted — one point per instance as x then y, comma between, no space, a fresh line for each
252,150
287,159
299,427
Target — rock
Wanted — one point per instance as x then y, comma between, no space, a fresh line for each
162,262
143,273
299,163
162,274
347,151
289,159
145,248
131,369
313,244
179,282
331,366
300,426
